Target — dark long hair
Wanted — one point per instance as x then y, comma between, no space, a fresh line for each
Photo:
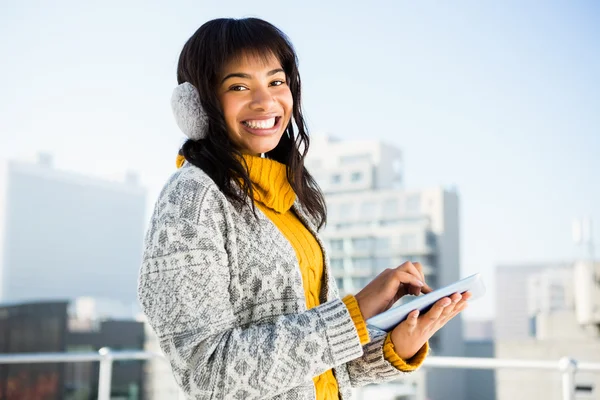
201,63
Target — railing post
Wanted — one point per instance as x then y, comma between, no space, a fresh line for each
105,377
568,367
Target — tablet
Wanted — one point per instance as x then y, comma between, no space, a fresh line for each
387,320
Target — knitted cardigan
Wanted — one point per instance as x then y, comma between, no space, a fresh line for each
222,290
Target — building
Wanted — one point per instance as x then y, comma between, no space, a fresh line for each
64,330
562,306
65,235
512,295
480,383
478,329
374,223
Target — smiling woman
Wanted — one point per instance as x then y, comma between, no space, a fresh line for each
235,280
256,101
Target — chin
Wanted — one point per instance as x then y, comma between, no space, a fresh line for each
264,145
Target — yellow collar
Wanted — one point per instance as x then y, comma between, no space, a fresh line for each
270,183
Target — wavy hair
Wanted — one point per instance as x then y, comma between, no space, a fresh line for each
201,63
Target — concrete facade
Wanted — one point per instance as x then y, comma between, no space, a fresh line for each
66,235
513,296
556,328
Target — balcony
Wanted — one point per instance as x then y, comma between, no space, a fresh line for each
567,367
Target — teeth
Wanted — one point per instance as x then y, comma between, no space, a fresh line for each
261,124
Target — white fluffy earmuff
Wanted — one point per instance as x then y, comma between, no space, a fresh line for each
188,111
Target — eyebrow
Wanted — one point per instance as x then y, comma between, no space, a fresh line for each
247,76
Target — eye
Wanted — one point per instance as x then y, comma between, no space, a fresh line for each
237,88
278,83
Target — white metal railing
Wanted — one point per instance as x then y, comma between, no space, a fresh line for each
566,366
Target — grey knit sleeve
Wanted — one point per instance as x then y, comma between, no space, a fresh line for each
184,292
372,367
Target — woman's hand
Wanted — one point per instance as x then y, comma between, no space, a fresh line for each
389,286
411,334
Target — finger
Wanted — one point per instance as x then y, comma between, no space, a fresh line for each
456,297
437,309
460,307
412,269
406,278
411,320
462,303
455,300
467,295
426,288
447,312
414,290
419,268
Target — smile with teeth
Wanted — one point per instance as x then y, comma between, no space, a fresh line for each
261,123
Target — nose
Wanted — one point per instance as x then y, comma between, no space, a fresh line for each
262,99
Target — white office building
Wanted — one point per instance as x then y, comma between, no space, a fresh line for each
65,235
558,316
519,290
375,223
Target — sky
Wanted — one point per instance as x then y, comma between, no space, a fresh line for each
498,99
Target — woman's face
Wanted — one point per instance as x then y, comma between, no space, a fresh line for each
256,101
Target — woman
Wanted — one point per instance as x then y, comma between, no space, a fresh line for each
235,280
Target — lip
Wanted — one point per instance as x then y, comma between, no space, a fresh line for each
263,132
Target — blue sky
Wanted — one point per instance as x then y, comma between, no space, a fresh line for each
499,99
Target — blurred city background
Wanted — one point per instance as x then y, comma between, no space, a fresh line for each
464,135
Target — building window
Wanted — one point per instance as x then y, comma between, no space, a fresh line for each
316,163
337,264
339,282
359,283
332,211
337,244
408,241
584,389
336,178
434,342
390,222
351,159
361,244
423,260
390,208
367,209
382,243
356,177
382,263
345,210
413,203
431,239
361,263
532,326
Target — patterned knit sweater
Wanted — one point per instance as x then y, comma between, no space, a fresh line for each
223,290
274,196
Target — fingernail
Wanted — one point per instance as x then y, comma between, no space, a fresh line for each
420,283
